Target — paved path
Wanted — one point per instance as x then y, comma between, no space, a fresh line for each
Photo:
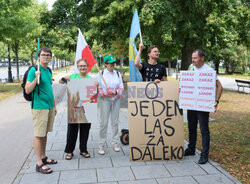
16,136
114,167
16,132
229,83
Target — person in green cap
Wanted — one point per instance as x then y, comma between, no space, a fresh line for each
109,103
82,66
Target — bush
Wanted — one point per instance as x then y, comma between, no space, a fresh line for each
246,74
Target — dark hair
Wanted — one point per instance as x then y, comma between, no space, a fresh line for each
152,47
85,60
200,52
44,50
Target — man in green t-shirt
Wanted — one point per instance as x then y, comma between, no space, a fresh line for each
43,108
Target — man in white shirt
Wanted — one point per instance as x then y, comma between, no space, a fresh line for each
193,116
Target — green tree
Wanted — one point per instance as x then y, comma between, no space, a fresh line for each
236,57
29,44
177,27
14,25
224,28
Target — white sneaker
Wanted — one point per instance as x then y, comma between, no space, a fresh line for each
101,151
116,148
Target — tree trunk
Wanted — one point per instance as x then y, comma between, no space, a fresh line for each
169,67
121,64
216,64
53,64
32,58
186,56
9,66
15,49
229,69
226,65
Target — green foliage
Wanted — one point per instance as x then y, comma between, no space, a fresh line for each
227,25
246,74
176,27
236,57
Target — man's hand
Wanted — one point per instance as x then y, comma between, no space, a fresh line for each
138,57
38,74
55,110
157,81
141,46
215,106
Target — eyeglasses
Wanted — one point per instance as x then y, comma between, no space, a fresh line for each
82,66
46,55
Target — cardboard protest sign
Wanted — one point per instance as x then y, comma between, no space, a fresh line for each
82,101
155,121
197,90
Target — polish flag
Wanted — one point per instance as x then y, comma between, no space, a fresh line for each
83,51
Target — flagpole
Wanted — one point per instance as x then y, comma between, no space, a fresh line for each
102,77
37,60
38,69
140,36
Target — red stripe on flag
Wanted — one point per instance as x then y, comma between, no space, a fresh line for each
87,54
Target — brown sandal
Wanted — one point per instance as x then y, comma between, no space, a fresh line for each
69,156
47,170
52,161
85,154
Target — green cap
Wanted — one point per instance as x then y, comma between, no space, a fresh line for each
108,59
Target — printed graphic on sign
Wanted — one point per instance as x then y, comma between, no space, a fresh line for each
82,101
155,121
197,90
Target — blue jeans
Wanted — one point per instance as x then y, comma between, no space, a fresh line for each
203,118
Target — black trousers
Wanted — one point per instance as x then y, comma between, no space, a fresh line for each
203,118
72,137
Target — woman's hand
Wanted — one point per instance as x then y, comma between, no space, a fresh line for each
109,93
64,79
96,84
67,78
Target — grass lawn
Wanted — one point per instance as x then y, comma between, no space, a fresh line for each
230,135
235,76
9,89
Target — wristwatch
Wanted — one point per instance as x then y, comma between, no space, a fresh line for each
217,101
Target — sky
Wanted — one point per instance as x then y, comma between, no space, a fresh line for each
49,2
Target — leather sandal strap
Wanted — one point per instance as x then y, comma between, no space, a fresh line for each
52,161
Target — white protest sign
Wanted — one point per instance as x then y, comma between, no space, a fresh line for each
82,101
197,90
